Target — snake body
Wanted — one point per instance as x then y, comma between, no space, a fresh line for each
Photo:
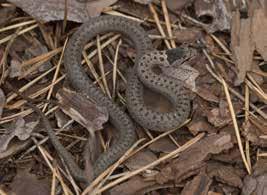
148,118
170,87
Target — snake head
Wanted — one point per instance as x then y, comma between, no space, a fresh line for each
181,55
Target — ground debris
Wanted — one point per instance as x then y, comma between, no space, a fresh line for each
199,185
257,182
52,10
191,160
225,174
82,110
20,129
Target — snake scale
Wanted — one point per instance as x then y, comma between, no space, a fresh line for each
141,74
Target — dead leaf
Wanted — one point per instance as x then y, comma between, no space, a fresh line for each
24,50
143,1
62,119
254,130
242,45
141,159
200,125
6,13
19,129
206,93
188,35
214,193
26,183
82,109
164,145
178,5
257,182
216,14
216,119
259,30
14,148
2,102
199,185
52,10
134,9
191,160
131,187
225,174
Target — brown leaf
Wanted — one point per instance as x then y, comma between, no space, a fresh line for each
257,182
135,9
225,174
61,118
215,117
207,94
187,35
178,5
199,185
6,13
195,157
200,125
143,1
214,193
242,45
23,51
2,102
131,187
82,109
26,183
259,31
19,129
254,130
164,145
215,14
52,10
140,159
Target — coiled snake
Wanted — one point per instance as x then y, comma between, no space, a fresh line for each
169,87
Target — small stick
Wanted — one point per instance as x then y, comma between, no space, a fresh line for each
153,164
7,38
102,70
115,68
56,74
237,131
156,18
167,20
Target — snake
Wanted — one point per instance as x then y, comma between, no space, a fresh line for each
139,75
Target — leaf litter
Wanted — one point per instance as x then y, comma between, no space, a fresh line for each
229,51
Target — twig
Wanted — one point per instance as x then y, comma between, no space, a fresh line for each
237,132
133,173
55,75
167,20
156,18
102,70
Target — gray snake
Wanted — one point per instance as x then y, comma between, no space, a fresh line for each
146,117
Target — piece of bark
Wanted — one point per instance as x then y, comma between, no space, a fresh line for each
191,160
214,13
175,5
131,187
259,30
242,45
20,129
82,109
225,174
52,10
2,102
199,185
256,184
